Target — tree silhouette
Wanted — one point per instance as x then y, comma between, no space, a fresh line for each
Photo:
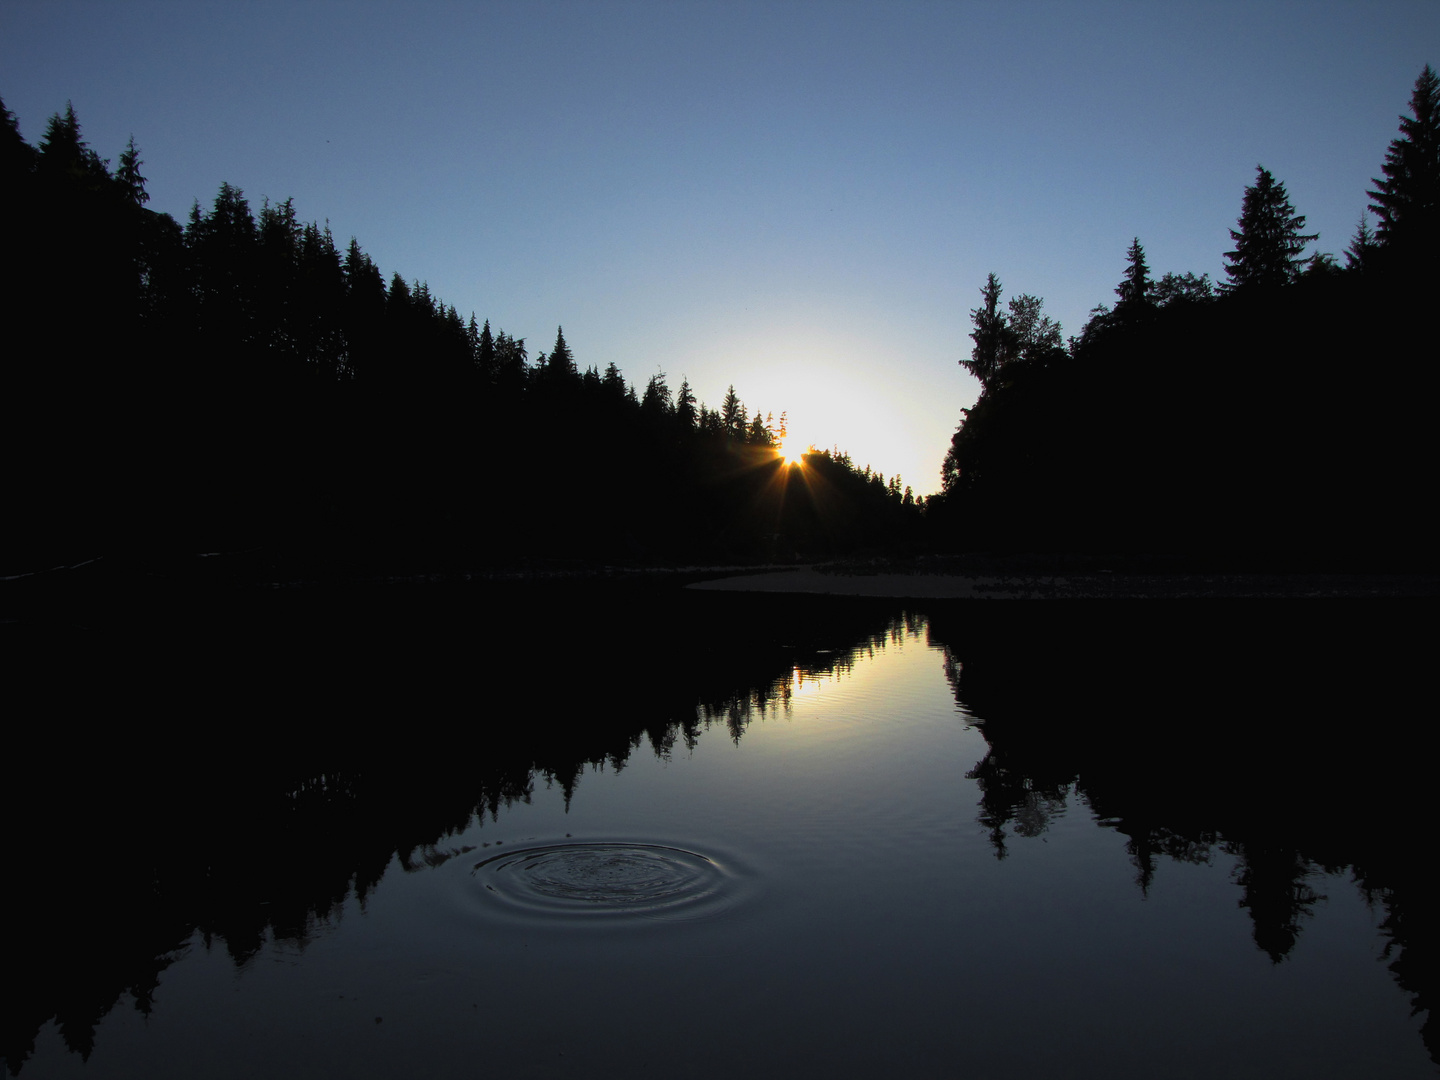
485,353
1031,335
1362,245
1269,242
1134,291
561,364
990,336
1407,200
685,405
65,155
656,402
17,157
132,184
1183,288
732,413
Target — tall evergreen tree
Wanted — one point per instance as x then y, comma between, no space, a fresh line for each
17,157
511,372
1268,244
485,353
132,184
656,401
561,364
1407,200
685,405
732,413
65,155
1134,291
990,335
1362,245
613,383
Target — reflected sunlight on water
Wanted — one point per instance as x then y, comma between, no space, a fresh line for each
862,857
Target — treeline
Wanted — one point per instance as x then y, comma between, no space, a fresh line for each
240,382
1283,417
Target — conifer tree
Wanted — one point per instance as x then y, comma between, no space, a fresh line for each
1362,245
17,157
561,363
1268,243
64,154
612,382
485,353
132,184
1407,200
990,336
656,401
685,405
1134,291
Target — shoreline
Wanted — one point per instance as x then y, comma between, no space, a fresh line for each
1101,585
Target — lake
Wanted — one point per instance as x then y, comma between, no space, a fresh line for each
602,830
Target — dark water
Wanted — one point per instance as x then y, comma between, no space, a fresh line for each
566,833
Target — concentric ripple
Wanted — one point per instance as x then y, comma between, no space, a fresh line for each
608,880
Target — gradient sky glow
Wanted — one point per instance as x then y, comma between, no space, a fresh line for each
802,199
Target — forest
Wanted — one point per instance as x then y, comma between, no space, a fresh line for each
239,383
1280,418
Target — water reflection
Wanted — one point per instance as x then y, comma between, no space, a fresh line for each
252,810
1196,731
253,802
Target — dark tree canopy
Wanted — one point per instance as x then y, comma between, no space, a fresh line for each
1268,244
1181,289
1030,336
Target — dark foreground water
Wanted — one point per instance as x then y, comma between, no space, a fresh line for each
612,833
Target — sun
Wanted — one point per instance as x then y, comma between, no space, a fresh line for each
790,458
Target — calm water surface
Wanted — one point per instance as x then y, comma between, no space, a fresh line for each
842,867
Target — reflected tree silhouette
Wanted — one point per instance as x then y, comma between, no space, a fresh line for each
1198,731
284,824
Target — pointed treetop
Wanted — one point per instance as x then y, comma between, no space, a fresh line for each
1268,243
989,334
1407,200
64,153
1362,244
16,155
1134,291
562,361
132,184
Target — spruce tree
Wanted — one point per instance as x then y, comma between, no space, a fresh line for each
1362,246
1268,243
1407,200
732,413
17,157
132,184
561,363
1134,291
989,335
685,405
65,155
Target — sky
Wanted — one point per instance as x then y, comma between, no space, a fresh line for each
799,199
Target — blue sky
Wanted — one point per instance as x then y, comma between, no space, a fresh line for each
801,199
